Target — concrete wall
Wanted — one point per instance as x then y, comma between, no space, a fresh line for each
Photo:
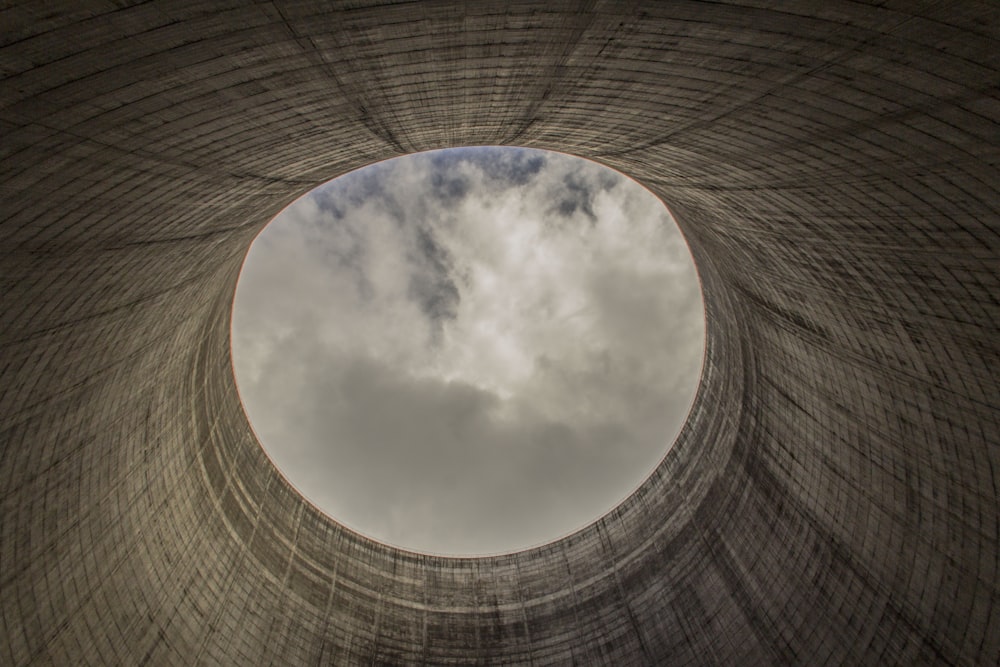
833,498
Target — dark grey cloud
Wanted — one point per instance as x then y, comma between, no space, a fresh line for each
432,285
501,167
578,192
449,188
440,358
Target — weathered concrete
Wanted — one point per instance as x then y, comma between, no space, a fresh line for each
834,496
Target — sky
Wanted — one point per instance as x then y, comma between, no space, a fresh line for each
469,351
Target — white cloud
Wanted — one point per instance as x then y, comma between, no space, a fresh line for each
469,351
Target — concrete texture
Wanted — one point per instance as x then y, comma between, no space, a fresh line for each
833,498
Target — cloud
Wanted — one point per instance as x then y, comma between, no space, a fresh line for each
469,351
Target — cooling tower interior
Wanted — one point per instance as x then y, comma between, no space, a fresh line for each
834,496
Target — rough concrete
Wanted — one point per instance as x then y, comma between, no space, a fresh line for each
833,498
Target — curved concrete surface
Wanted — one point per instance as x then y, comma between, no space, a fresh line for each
833,498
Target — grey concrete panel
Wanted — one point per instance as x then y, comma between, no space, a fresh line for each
833,497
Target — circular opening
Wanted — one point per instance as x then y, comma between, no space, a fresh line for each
469,351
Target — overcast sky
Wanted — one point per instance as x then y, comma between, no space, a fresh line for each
469,351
